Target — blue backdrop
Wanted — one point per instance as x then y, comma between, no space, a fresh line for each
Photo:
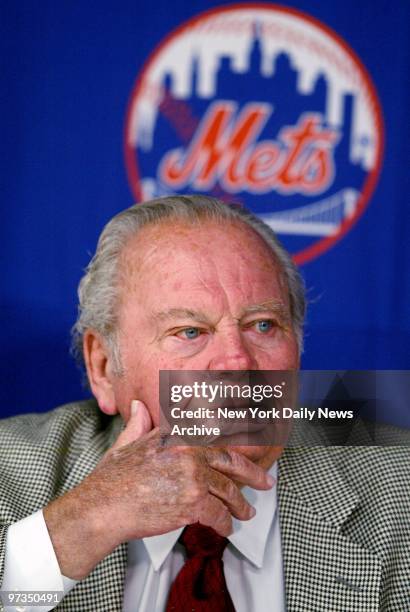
68,70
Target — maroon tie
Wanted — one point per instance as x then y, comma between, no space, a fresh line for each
200,585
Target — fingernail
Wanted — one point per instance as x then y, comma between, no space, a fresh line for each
270,480
252,511
135,404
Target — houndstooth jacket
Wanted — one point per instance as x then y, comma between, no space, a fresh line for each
344,512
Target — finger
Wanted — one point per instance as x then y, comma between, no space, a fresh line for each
226,490
141,419
138,424
216,515
238,467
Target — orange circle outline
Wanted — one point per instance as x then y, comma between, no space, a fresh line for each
323,244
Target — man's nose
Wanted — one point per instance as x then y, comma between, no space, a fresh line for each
230,352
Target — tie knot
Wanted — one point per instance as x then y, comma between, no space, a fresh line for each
202,541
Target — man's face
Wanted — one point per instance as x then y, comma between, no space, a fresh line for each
208,297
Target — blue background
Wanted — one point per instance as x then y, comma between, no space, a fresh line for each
67,71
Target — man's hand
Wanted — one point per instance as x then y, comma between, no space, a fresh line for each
142,488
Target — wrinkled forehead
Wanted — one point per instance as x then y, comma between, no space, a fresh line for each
201,250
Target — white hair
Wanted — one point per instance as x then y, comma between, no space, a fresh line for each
99,290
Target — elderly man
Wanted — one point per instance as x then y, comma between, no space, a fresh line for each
93,504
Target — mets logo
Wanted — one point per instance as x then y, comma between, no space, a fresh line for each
264,106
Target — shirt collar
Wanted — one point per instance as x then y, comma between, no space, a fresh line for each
249,537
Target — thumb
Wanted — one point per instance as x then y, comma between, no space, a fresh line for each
138,424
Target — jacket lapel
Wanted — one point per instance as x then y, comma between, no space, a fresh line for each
324,570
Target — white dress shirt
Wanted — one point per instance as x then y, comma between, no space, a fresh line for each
252,562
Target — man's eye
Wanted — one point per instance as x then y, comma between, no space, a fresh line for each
264,326
190,333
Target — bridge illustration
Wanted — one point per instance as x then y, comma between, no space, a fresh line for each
322,218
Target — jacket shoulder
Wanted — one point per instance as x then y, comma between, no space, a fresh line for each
45,427
38,452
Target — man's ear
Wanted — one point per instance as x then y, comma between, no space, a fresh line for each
100,371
